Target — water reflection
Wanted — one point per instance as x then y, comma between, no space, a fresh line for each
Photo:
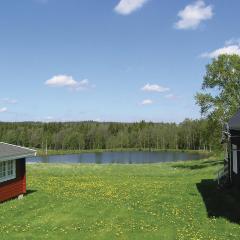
118,157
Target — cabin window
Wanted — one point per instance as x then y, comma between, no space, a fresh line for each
235,159
7,170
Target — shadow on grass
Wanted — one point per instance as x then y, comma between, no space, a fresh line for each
219,202
30,191
200,165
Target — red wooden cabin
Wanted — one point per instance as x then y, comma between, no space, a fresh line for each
13,170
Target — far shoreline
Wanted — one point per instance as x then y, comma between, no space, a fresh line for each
50,152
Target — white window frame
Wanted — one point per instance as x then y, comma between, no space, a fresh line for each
235,158
7,170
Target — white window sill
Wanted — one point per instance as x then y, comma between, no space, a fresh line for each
2,180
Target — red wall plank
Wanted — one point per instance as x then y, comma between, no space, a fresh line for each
17,186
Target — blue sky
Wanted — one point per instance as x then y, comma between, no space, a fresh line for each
111,60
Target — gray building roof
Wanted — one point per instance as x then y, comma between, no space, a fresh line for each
10,152
234,122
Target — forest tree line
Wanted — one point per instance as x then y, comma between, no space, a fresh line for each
219,100
189,134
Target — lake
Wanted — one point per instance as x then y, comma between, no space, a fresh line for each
130,157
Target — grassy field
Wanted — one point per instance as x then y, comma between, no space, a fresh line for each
158,201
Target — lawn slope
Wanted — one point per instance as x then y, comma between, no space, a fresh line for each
157,201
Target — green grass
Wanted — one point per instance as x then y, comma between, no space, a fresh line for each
158,201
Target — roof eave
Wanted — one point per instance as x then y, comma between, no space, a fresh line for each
14,157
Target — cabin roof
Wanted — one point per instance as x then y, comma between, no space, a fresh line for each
10,152
234,122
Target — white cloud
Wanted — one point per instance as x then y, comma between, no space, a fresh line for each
61,81
69,82
9,101
233,41
49,118
193,14
171,96
147,102
2,110
126,7
154,88
98,120
231,47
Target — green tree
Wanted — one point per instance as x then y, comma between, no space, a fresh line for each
220,98
221,86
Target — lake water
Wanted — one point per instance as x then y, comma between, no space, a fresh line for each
118,157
